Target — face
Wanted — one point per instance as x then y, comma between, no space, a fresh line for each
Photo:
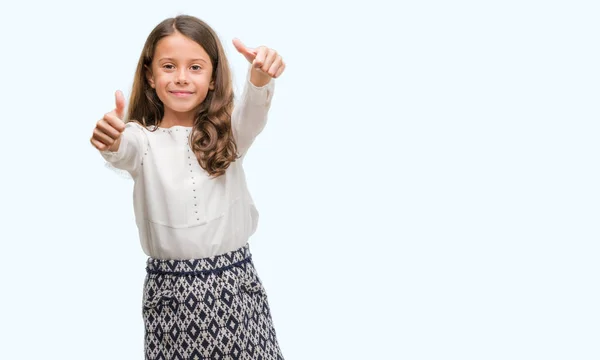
181,74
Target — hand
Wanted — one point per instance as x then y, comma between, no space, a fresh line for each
263,59
107,134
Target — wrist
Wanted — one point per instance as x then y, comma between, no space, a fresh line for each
259,78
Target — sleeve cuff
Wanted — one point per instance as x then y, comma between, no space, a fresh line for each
259,95
112,156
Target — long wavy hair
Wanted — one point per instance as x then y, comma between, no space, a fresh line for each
212,139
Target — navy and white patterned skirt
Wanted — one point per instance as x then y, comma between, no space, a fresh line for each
211,308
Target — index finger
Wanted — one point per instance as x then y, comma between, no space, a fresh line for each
114,121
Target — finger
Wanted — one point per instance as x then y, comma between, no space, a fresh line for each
272,71
280,70
113,120
120,103
99,145
269,60
100,136
105,126
241,48
259,60
248,53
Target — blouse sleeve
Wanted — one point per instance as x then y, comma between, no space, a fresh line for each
129,155
250,114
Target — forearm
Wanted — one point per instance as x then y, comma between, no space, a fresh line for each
250,114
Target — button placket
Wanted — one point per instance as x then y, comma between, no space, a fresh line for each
195,201
145,153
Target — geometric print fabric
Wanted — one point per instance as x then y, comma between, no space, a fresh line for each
212,308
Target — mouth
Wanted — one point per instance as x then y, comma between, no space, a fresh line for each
181,93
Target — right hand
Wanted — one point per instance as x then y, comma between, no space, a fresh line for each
107,133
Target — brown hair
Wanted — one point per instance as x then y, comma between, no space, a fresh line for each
212,139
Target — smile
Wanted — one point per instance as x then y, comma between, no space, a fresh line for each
181,93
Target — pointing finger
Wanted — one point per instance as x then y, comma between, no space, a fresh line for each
248,53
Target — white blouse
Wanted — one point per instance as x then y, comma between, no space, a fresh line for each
180,212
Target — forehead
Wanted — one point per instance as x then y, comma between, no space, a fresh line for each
178,46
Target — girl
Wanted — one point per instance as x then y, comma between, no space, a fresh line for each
184,144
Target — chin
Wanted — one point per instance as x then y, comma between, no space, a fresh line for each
180,107
183,108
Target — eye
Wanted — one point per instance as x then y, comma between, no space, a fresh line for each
168,66
195,67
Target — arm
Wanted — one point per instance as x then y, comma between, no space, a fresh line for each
250,115
126,153
119,143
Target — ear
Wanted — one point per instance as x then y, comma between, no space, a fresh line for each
149,76
211,86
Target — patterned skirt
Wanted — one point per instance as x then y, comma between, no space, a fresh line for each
210,308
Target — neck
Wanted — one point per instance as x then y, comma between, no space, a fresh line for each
172,118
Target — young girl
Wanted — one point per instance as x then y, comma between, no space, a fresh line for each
184,144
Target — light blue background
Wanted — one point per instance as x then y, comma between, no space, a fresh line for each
427,181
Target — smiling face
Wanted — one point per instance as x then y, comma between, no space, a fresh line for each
181,73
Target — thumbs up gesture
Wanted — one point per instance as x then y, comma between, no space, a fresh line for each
107,133
266,62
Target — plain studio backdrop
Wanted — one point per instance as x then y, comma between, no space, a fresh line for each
427,181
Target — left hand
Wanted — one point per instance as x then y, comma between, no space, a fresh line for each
263,59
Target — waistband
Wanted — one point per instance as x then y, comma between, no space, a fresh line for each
201,266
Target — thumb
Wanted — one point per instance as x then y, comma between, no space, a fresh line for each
248,53
120,104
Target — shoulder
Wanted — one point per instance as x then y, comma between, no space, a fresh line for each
134,124
136,127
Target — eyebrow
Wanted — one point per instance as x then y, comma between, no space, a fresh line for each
192,60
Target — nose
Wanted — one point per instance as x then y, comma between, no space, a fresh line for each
181,77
